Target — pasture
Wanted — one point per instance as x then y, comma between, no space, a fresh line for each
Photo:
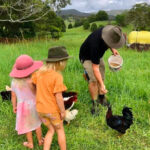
129,87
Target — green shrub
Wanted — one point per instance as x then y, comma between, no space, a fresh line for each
121,20
63,26
93,27
78,22
101,15
86,25
17,30
70,26
92,18
55,32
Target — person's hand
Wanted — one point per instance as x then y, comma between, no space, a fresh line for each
103,90
14,110
115,52
62,115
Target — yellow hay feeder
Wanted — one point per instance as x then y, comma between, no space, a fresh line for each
139,40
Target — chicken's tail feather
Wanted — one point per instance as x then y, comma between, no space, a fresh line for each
109,112
127,114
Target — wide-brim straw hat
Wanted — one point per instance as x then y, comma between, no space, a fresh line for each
57,53
24,66
113,36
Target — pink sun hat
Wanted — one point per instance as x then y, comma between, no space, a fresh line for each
24,66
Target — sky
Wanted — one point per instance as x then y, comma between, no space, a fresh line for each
96,5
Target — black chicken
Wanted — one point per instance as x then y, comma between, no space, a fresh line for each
6,95
119,123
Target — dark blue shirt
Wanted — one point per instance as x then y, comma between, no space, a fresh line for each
93,48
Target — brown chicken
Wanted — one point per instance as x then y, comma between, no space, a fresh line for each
69,99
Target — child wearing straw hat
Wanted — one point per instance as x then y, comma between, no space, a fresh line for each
23,99
49,99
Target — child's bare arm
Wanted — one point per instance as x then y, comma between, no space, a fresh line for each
32,86
60,102
14,101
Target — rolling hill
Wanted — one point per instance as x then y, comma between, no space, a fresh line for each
74,12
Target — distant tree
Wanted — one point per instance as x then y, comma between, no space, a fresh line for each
28,30
70,19
17,30
28,10
65,17
63,26
86,25
60,24
92,18
49,21
93,27
139,16
101,15
121,19
78,22
69,26
16,15
55,32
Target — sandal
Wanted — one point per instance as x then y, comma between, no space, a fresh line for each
28,145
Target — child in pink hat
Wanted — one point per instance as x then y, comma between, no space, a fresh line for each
23,99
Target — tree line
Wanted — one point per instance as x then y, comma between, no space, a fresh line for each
100,16
138,16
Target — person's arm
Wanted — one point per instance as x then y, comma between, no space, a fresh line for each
99,78
32,86
60,102
14,101
114,51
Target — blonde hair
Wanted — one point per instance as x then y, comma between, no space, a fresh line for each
57,66
21,81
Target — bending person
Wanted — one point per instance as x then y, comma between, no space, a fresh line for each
91,53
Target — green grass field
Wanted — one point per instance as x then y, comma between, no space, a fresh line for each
129,87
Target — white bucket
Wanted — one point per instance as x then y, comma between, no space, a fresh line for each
115,62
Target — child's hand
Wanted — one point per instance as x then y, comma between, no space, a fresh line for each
62,115
14,110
